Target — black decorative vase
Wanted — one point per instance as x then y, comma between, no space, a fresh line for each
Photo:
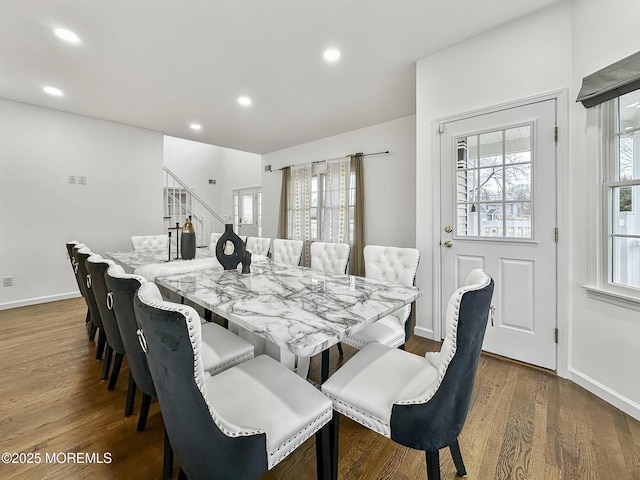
246,261
188,241
230,248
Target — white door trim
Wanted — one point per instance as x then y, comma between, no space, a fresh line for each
563,206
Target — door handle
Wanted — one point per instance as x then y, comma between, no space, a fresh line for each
448,244
448,229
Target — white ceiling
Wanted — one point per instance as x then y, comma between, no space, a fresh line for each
163,64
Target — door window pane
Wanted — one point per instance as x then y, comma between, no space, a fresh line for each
518,219
518,144
472,151
247,209
490,184
494,184
517,182
491,148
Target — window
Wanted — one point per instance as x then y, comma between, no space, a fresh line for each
614,147
247,208
621,192
494,187
321,202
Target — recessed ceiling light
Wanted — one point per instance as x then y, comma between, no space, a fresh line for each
244,101
56,92
195,126
331,55
67,35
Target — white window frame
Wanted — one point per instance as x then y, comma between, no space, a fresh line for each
603,159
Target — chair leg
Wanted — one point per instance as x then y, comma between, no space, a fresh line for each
91,328
433,465
334,438
131,396
116,371
144,412
91,331
107,362
324,369
340,352
457,458
323,453
102,341
167,458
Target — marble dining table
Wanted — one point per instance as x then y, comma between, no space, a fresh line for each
300,310
152,263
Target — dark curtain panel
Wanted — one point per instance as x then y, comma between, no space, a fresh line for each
356,258
283,217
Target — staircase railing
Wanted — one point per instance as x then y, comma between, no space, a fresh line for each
180,202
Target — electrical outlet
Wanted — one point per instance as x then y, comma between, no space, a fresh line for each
72,179
7,281
82,180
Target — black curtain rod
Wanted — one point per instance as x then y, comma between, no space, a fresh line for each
338,158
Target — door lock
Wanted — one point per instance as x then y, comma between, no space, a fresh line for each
448,229
448,244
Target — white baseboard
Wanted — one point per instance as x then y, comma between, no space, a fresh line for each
621,402
423,332
35,301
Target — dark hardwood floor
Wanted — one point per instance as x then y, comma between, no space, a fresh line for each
524,423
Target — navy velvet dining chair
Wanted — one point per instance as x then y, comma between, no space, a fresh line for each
96,268
81,255
234,425
419,402
71,246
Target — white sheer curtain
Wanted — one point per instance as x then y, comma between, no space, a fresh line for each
335,217
318,203
299,223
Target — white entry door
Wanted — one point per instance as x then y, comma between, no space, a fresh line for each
498,212
247,206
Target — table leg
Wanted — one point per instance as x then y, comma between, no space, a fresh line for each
288,359
325,366
302,367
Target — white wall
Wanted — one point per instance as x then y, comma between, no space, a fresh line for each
549,50
40,211
195,163
388,179
605,347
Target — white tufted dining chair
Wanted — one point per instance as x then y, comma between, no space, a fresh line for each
287,251
419,402
258,245
149,242
396,265
330,257
234,425
214,241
